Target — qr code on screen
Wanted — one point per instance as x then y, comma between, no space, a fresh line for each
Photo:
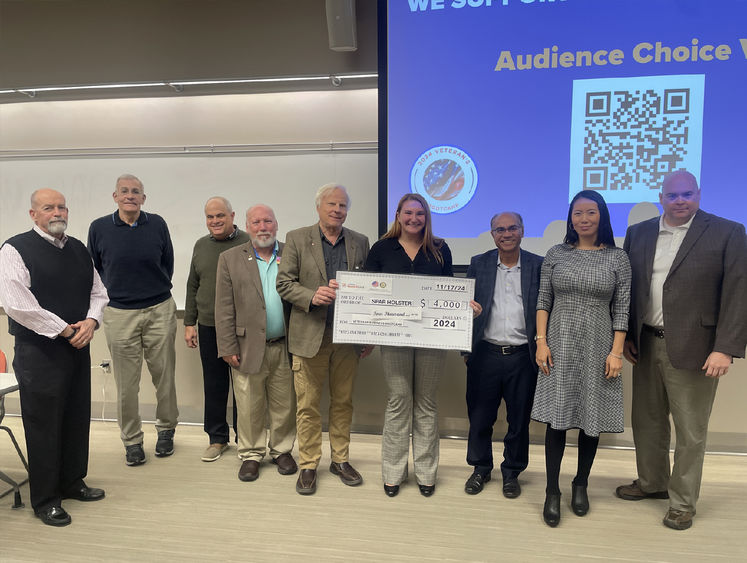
628,133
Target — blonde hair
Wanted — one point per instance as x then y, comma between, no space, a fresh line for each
431,244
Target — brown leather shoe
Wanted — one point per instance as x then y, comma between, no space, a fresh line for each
249,470
347,473
634,492
306,484
286,464
678,519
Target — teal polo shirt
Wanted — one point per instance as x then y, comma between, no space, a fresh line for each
268,273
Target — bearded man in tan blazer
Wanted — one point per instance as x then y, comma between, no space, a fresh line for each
250,329
306,279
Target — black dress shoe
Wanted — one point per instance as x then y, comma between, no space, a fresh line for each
85,493
427,490
579,500
391,490
511,488
475,483
54,516
551,511
306,484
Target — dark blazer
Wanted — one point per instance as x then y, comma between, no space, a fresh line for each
240,315
483,268
705,293
302,271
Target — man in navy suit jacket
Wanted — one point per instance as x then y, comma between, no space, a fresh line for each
688,299
501,365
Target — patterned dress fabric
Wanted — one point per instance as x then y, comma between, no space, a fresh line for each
587,293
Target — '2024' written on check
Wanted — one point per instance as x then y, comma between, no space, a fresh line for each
403,310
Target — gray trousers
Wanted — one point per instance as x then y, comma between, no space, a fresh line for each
658,390
412,376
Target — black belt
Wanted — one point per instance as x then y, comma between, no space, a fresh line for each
657,332
505,349
275,340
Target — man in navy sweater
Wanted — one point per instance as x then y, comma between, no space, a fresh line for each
132,251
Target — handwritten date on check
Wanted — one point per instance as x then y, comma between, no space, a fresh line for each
403,310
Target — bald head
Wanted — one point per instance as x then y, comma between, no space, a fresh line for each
679,197
516,217
49,211
261,226
43,194
219,217
507,229
680,177
219,200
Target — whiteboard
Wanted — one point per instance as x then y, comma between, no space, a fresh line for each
178,186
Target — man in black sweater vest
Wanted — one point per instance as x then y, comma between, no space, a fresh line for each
54,300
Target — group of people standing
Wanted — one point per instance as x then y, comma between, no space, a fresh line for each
549,337
555,331
550,345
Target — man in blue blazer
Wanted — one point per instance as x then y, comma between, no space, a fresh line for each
501,365
687,307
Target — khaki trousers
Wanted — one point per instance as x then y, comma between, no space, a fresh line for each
262,396
339,362
658,390
133,334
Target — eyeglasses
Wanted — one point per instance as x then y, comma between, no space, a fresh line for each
501,230
672,197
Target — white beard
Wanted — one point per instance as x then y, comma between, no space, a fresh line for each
263,243
57,227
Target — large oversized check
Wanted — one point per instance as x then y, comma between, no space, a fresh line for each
403,310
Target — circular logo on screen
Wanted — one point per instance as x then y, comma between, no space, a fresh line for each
446,177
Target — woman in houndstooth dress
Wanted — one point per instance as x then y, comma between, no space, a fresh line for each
582,317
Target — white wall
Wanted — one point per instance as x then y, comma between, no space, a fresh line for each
177,187
168,143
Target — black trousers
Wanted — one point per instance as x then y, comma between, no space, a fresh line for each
492,377
216,376
54,382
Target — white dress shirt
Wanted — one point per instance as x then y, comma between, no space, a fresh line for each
21,305
506,325
667,245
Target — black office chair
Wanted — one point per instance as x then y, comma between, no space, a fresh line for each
15,485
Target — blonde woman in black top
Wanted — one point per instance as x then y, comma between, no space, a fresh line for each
411,374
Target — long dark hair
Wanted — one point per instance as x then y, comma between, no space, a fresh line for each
604,234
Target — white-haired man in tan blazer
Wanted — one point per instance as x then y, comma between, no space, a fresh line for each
306,279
